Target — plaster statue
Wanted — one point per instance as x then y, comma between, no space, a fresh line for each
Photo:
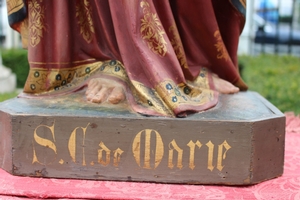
163,57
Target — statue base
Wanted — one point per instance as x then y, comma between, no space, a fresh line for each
238,142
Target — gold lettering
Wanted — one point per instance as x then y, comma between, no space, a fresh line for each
43,142
117,156
173,146
192,146
159,148
136,148
222,156
100,152
147,149
210,146
72,144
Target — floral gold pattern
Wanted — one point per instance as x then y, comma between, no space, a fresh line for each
178,47
36,22
24,33
14,6
223,54
152,30
84,17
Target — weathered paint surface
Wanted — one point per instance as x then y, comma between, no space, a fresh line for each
239,142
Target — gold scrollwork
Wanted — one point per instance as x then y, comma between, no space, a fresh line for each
152,30
178,47
24,33
85,21
223,54
36,22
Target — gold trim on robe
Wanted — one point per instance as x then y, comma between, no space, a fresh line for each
84,17
223,54
36,22
152,30
14,6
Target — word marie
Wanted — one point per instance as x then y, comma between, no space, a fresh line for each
148,149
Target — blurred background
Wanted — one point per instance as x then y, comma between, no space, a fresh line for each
269,53
273,26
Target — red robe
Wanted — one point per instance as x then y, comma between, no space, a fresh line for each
162,51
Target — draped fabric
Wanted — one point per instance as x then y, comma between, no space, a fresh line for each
162,51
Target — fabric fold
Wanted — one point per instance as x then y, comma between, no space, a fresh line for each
162,51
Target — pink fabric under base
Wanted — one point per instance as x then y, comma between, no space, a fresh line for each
282,188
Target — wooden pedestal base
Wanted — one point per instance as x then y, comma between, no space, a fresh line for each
239,142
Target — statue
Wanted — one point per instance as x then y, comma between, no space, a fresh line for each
165,57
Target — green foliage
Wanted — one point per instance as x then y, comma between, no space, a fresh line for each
277,78
16,60
8,95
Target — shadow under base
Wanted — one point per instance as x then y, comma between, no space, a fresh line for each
238,142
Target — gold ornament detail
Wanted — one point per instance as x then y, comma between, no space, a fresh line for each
36,22
178,47
152,30
223,54
24,33
14,6
85,21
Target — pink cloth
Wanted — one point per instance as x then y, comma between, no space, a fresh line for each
282,188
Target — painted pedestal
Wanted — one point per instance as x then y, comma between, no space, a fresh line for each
238,142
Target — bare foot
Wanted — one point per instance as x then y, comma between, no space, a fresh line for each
223,86
101,90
